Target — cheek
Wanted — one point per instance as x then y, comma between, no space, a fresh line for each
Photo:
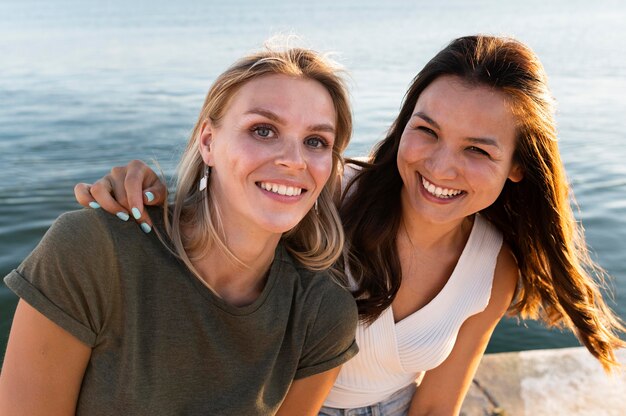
321,168
409,150
487,177
247,154
326,168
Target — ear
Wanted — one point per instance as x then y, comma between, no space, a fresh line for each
205,140
516,173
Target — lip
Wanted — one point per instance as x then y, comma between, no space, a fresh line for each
279,197
430,197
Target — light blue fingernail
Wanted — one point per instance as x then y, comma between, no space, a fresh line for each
149,196
136,213
94,205
122,216
146,227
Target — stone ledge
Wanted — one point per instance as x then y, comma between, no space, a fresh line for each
566,381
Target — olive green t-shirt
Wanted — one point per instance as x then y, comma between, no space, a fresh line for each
164,344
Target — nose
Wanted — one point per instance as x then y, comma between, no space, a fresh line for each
442,163
291,155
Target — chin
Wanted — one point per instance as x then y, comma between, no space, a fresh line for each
280,227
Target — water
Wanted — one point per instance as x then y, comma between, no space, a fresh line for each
87,85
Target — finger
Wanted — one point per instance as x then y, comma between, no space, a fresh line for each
102,192
155,195
133,187
140,215
83,196
142,218
116,179
154,191
143,186
126,194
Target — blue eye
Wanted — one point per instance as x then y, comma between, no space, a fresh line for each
316,142
264,132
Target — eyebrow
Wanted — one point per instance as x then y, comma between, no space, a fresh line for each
322,127
427,119
487,141
484,141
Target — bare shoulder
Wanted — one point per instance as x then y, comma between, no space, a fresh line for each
505,279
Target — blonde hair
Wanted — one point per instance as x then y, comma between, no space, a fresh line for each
317,240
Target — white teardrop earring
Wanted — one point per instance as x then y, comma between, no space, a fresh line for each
204,181
316,207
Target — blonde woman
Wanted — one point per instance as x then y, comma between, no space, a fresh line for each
223,310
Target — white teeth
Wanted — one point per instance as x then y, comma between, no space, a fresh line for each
281,189
438,191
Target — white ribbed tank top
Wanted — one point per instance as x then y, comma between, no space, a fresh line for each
392,355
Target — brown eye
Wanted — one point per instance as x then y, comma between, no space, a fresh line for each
478,150
428,131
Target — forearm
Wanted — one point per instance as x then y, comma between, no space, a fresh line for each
306,396
422,405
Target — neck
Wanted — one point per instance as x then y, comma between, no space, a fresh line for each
428,236
238,281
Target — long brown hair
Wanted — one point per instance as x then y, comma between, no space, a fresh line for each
559,283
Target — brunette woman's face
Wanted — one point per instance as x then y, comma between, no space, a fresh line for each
456,151
271,153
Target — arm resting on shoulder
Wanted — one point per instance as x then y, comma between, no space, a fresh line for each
306,395
443,388
43,367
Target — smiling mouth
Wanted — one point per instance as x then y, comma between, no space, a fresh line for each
281,189
438,192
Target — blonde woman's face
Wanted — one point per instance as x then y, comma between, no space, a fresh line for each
456,151
271,154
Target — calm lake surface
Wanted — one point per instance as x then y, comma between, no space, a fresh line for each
88,85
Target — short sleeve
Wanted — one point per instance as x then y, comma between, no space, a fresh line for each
67,277
331,340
